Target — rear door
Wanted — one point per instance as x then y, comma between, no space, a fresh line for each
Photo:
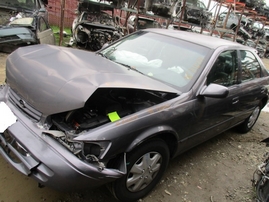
251,87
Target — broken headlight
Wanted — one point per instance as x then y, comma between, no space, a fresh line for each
93,150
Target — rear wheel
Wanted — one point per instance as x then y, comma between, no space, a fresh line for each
250,121
145,166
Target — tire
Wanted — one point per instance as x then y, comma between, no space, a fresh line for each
145,167
262,190
247,125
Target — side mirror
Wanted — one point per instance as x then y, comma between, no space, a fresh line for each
214,91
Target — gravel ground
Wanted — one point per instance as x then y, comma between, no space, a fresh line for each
218,170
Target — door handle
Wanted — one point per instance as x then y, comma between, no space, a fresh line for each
235,100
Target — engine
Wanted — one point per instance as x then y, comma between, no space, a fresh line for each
103,102
6,16
104,106
93,38
93,30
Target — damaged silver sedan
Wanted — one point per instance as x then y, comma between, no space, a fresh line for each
73,119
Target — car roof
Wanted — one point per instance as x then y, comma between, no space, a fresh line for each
200,39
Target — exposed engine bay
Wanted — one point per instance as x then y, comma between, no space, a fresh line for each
94,27
94,30
103,102
7,15
104,106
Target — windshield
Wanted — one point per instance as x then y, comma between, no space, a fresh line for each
23,4
170,60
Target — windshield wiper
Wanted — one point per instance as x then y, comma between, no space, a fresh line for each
102,54
130,67
107,54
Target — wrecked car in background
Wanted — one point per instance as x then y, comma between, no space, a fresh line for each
232,20
258,47
141,22
74,119
195,11
22,23
94,26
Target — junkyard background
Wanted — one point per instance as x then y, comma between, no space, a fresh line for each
55,7
220,169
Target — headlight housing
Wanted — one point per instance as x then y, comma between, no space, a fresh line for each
98,149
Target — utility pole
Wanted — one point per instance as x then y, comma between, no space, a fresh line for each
62,21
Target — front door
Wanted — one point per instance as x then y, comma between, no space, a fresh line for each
44,32
215,115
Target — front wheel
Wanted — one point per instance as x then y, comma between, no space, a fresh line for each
145,166
250,121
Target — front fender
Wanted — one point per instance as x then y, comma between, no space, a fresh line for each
151,133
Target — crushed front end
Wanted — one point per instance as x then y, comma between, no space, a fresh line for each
71,121
33,150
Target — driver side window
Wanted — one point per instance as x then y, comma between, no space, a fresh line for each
225,69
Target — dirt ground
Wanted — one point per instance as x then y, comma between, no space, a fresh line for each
218,170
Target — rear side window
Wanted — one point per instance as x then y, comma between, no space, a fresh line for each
251,68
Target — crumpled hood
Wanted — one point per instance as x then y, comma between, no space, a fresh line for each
55,79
